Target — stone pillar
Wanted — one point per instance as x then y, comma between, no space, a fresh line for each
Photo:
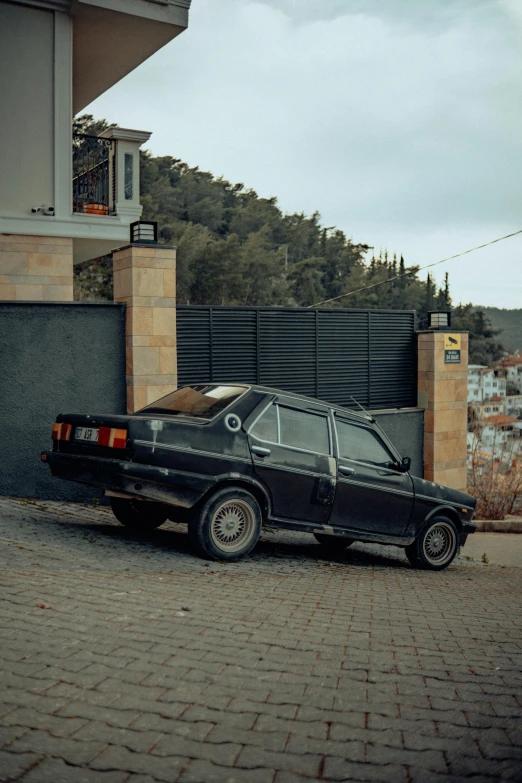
443,393
36,268
145,278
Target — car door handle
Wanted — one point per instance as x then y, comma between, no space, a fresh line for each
260,451
346,471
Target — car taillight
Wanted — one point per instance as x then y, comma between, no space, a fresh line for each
112,437
62,431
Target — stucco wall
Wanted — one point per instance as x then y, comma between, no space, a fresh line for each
54,358
405,429
27,112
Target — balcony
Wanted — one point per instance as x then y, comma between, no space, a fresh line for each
106,173
94,175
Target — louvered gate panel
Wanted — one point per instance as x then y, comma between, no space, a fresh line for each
193,340
234,344
287,349
334,355
393,365
343,356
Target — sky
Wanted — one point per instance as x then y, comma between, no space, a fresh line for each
398,120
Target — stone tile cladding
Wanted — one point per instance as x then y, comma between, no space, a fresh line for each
36,268
145,278
445,391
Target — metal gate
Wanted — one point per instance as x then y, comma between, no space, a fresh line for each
330,354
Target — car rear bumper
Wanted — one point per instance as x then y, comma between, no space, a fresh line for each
174,487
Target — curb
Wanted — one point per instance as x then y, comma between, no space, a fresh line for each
507,525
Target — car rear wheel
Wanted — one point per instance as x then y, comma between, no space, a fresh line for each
227,526
138,515
333,543
436,546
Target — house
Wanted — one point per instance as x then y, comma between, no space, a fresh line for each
501,431
513,405
65,199
485,382
475,390
492,407
511,369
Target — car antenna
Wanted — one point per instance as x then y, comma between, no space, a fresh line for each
368,415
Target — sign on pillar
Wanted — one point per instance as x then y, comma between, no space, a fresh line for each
452,348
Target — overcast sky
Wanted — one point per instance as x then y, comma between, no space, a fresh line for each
398,120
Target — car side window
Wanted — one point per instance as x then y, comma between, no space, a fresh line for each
304,430
361,444
265,427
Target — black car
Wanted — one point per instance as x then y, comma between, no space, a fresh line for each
229,459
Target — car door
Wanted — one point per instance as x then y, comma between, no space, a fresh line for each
371,496
292,455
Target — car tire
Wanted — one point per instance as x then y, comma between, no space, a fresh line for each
227,526
138,515
436,545
333,543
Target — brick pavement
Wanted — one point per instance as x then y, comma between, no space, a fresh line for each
128,660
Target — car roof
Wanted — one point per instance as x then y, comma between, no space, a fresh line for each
301,398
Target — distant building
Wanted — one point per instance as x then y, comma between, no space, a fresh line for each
511,369
500,431
492,407
485,382
513,405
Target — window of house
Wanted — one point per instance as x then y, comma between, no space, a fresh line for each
361,444
303,430
265,428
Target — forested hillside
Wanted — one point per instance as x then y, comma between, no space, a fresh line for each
510,324
237,248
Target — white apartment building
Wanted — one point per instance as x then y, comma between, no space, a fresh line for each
484,383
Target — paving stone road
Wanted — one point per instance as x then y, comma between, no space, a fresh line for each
128,660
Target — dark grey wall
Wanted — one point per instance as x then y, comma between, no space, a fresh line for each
54,358
405,429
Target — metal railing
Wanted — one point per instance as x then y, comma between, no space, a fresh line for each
94,175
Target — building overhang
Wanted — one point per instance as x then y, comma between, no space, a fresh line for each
113,37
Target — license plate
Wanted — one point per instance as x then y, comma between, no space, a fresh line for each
87,433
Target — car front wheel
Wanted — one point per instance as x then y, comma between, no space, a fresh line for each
436,546
333,543
138,515
227,526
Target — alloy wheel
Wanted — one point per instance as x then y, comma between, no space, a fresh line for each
233,525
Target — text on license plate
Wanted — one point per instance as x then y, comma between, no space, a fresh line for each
87,433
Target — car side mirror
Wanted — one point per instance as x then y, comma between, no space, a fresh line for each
405,464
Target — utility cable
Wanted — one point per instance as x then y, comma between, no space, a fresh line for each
419,269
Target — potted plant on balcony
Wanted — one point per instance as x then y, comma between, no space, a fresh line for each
93,208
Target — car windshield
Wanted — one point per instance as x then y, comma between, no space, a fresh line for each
202,401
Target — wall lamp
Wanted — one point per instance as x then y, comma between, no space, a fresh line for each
144,232
439,319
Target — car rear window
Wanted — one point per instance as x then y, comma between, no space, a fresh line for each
201,401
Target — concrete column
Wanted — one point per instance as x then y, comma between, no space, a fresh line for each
145,278
36,268
125,165
443,393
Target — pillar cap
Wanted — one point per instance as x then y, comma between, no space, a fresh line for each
126,134
149,245
447,329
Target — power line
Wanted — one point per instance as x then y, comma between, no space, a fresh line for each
406,274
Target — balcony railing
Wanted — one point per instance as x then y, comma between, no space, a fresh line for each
94,175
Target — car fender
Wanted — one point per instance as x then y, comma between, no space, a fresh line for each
246,482
444,510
